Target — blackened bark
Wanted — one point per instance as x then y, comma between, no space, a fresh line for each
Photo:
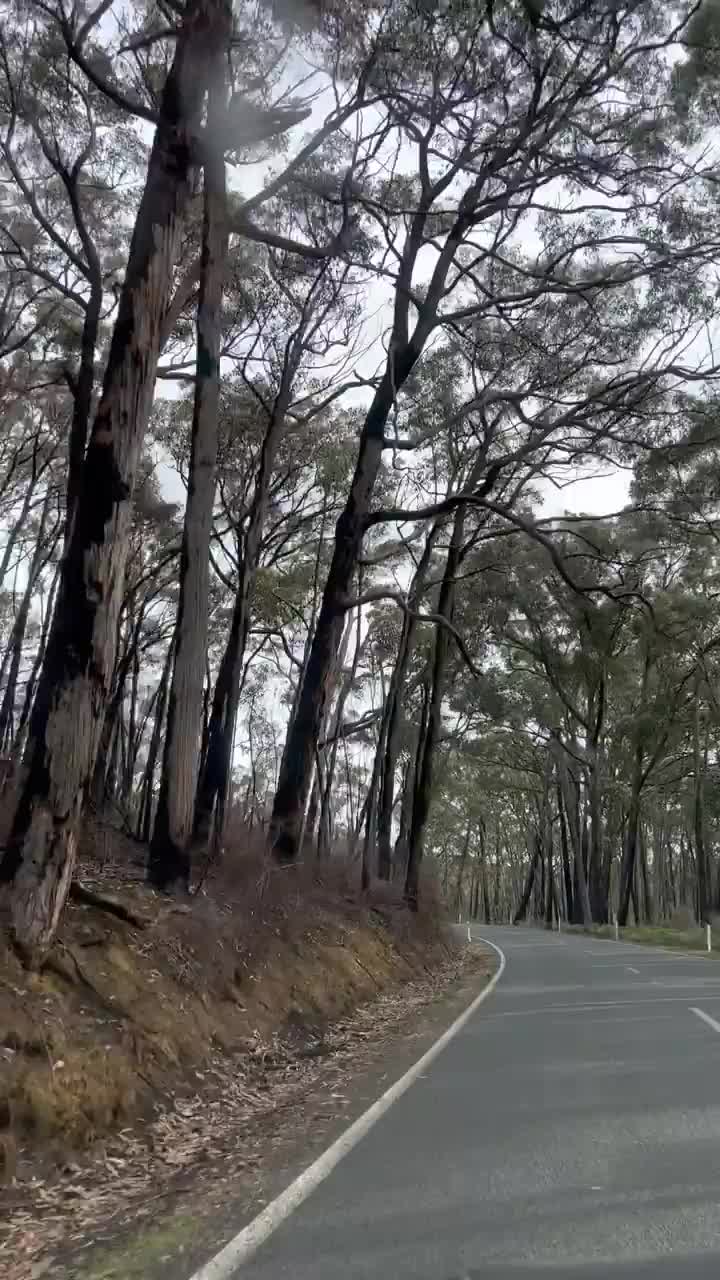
570,797
101,774
426,763
389,742
703,897
74,683
535,851
304,731
213,782
484,874
326,779
648,904
597,883
457,551
169,862
461,872
403,353
627,869
496,907
148,784
548,844
565,855
83,384
400,852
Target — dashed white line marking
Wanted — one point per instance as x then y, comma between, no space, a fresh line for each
637,1002
706,1018
630,968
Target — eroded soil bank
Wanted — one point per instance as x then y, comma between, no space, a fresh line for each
173,1061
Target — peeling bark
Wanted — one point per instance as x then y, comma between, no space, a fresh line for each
75,680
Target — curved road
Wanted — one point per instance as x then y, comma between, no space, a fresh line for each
570,1130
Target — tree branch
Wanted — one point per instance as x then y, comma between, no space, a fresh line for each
437,619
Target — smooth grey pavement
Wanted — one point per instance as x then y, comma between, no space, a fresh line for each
571,1130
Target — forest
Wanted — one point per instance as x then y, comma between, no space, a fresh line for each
359,471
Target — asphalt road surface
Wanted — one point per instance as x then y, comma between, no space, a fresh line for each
570,1130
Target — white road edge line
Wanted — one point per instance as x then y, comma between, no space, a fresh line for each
706,1018
242,1246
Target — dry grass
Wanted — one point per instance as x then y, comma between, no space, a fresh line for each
123,1017
661,935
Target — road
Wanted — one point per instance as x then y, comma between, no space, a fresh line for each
570,1130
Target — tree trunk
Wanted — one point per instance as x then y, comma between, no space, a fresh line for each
572,809
497,885
145,817
400,852
534,851
597,885
304,731
37,664
79,659
389,741
648,904
21,523
627,870
83,383
214,777
326,818
126,789
461,872
169,861
101,787
19,627
699,814
403,353
565,854
370,840
549,877
483,874
445,609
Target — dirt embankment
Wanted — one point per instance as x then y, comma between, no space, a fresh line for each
151,1018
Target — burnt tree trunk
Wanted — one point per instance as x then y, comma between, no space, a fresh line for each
303,735
426,763
422,800
145,816
565,855
699,763
461,872
534,850
404,350
213,782
390,737
627,869
484,874
571,801
325,828
169,861
74,683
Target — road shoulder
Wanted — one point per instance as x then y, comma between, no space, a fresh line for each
313,1101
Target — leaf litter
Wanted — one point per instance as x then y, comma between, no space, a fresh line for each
227,1132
